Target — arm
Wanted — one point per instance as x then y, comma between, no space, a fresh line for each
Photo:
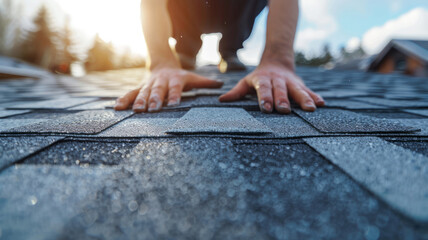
167,80
157,31
274,79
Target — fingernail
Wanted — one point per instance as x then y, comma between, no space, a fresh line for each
139,107
284,107
266,107
310,105
153,107
173,103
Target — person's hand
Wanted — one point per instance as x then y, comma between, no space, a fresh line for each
274,84
163,83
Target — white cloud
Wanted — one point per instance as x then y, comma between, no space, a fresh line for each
411,25
352,44
318,14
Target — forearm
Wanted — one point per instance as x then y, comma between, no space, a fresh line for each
157,30
281,29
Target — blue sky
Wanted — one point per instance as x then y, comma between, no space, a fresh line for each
349,23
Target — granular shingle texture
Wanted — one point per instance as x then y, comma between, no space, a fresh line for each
140,127
396,103
84,153
342,121
13,149
38,201
7,113
180,189
395,174
87,122
218,120
60,103
73,168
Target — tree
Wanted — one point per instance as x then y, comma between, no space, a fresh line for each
10,31
38,46
66,54
100,56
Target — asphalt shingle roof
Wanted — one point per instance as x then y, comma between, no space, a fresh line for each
73,168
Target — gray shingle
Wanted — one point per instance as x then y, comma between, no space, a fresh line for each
60,103
13,149
8,123
388,114
218,120
421,124
84,153
415,146
289,126
342,121
37,202
140,127
212,101
422,112
208,188
97,105
395,174
86,122
350,104
7,113
395,103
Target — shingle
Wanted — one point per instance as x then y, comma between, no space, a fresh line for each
97,105
161,114
422,112
8,123
212,101
395,103
13,149
44,114
218,120
60,103
86,122
342,93
140,127
415,146
350,104
395,174
7,113
37,202
208,188
288,126
388,114
342,121
421,124
84,152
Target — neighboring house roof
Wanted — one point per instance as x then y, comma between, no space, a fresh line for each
416,48
72,168
12,68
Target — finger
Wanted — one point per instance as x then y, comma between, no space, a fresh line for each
196,81
122,103
282,104
157,94
263,88
174,93
318,100
301,96
140,104
238,92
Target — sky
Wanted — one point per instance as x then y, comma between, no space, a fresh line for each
339,23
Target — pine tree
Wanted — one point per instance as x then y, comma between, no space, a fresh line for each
66,55
100,56
38,46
